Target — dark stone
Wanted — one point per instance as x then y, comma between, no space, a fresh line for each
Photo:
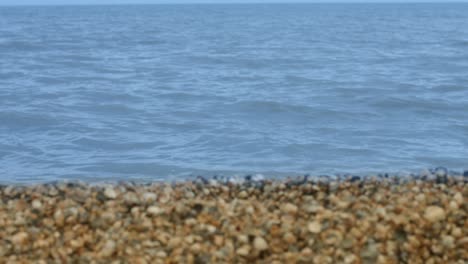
248,177
260,185
324,178
297,182
441,175
441,180
198,207
202,180
441,171
101,197
465,173
201,259
355,179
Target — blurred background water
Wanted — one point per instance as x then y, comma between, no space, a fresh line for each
162,92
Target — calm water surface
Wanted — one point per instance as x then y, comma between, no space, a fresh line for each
166,91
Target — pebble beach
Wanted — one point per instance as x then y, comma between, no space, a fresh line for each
380,219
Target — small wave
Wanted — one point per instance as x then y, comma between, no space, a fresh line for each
90,143
183,96
272,108
20,46
23,120
421,104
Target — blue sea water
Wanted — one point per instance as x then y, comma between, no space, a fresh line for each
162,92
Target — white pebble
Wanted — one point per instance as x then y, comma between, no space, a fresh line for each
36,204
110,193
260,244
314,227
154,210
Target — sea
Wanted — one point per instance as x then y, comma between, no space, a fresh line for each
169,92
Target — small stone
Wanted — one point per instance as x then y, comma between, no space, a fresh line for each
211,229
441,172
131,198
108,249
441,175
149,197
425,173
453,205
434,214
243,251
290,208
458,197
347,243
349,259
189,239
243,239
219,240
20,238
370,252
52,191
164,198
260,244
196,248
154,210
307,252
174,242
110,193
243,195
448,241
161,254
313,208
59,217
36,204
189,194
315,227
355,179
290,238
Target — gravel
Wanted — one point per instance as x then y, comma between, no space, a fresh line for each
347,219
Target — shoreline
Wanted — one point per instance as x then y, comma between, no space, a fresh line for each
417,219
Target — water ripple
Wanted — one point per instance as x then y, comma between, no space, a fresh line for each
163,92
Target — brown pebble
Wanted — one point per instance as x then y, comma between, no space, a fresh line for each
434,214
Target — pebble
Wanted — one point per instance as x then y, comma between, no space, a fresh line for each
149,197
20,238
243,251
36,204
434,214
131,198
110,193
370,252
243,195
290,208
440,172
260,244
458,198
108,249
154,210
314,227
289,237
